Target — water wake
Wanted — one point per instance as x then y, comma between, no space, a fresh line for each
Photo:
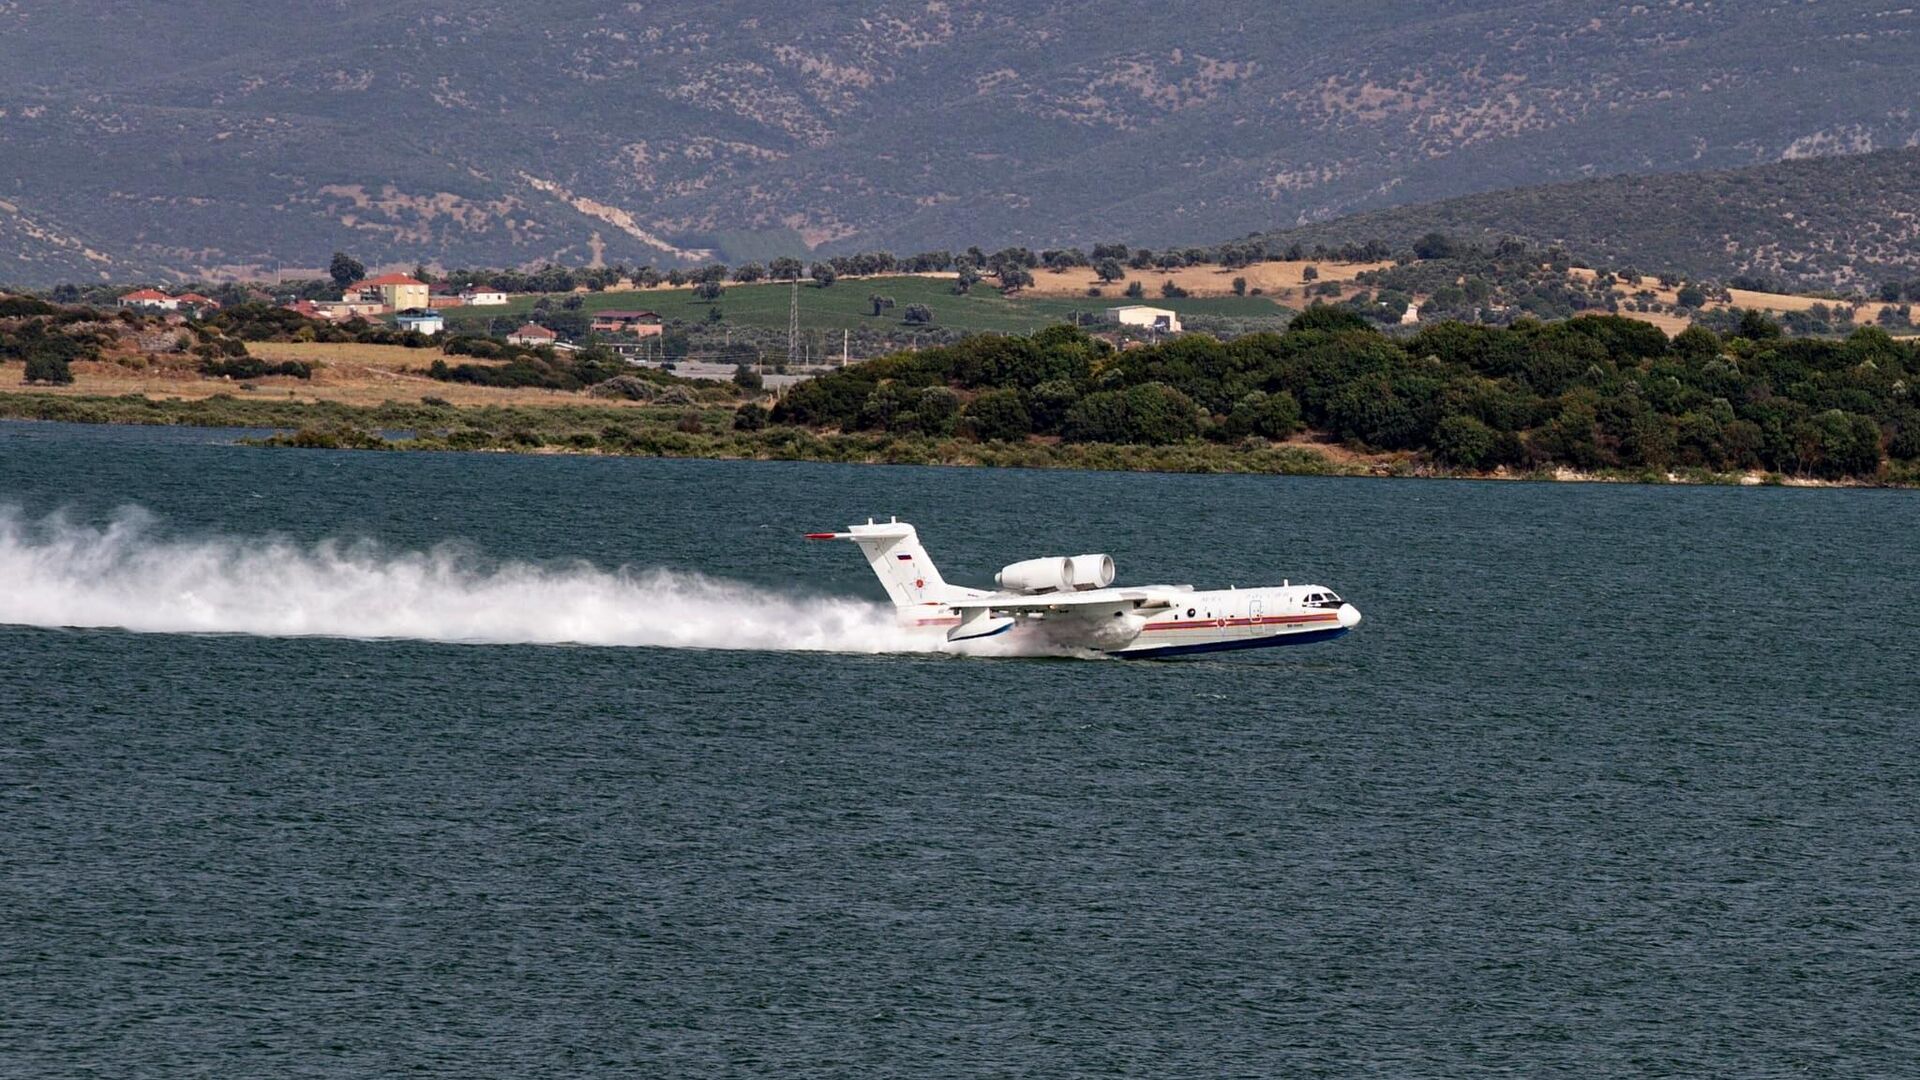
55,573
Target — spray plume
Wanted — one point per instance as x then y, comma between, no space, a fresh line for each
59,574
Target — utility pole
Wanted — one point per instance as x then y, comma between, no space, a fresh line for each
793,327
844,335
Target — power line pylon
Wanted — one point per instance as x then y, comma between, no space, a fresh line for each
793,328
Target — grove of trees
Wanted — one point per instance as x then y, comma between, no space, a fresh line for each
1595,392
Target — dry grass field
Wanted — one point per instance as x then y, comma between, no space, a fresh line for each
1777,303
347,373
1283,281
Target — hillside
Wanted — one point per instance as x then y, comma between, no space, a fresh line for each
1845,222
140,138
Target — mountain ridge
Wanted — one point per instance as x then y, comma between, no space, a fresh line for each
1813,223
222,136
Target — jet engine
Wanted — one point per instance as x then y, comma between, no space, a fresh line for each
1057,574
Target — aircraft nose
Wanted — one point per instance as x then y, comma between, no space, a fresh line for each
1349,616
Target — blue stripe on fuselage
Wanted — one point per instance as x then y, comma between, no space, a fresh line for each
1307,637
988,634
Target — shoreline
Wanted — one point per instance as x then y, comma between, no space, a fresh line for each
625,431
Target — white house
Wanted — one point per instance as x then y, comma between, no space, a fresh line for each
483,297
425,320
1147,318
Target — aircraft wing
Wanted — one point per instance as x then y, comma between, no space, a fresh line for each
1141,598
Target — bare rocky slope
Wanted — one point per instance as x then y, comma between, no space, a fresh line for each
1825,223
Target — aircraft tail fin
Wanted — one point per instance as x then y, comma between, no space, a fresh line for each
902,565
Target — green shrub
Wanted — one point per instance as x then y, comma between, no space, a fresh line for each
998,415
1463,441
749,417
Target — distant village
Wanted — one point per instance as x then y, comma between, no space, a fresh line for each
409,304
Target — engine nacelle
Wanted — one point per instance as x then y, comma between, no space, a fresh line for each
1057,574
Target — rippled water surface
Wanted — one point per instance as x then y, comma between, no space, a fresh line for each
1612,781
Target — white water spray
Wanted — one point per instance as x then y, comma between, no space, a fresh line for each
55,573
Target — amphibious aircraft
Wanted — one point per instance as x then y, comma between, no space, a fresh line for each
1070,603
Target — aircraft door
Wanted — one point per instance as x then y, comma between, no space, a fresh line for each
1253,627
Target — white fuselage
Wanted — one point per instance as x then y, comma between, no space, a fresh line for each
1215,620
1222,619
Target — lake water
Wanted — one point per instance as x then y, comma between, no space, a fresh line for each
1613,780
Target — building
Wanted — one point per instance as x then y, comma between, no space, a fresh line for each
638,323
309,309
424,320
532,334
151,299
1160,320
196,305
1411,315
394,292
483,297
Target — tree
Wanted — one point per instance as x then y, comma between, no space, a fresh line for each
1464,441
823,273
747,273
751,416
1135,290
1239,286
1690,296
422,274
573,302
1755,325
48,366
345,269
1109,270
785,269
1270,416
714,315
708,291
1309,273
1171,291
1435,245
1890,291
746,378
998,415
1151,413
1696,343
967,279
935,411
1327,317
880,303
919,314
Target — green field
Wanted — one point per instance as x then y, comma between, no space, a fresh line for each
844,306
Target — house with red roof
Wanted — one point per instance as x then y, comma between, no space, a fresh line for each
532,334
151,299
638,323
